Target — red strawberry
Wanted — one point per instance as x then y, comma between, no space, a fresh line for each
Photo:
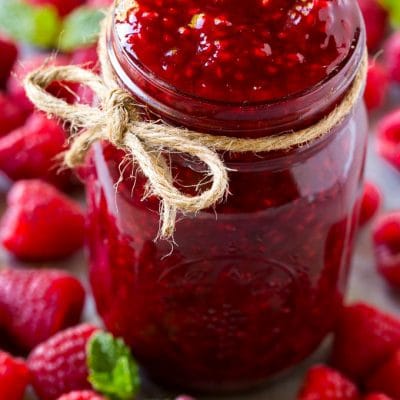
386,239
370,202
14,377
376,21
16,89
11,117
58,366
365,337
392,56
63,7
9,54
82,395
36,304
388,138
324,383
377,85
34,151
386,378
377,396
41,223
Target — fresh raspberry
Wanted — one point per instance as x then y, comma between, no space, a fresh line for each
376,22
41,223
9,54
392,56
15,86
36,304
370,203
14,377
364,338
11,117
82,395
325,383
377,85
386,377
377,396
386,238
34,151
63,7
388,138
58,366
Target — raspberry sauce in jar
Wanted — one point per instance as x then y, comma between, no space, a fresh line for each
250,287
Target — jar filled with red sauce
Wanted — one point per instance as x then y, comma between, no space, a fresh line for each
248,288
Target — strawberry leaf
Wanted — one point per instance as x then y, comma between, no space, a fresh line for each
38,26
393,7
80,28
112,369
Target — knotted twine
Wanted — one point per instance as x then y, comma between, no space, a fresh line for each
117,120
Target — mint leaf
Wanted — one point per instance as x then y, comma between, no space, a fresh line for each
81,28
38,26
393,7
112,369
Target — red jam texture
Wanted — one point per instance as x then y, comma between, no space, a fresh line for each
235,50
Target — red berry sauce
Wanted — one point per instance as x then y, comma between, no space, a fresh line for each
235,50
253,286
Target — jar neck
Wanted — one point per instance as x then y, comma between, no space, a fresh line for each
237,120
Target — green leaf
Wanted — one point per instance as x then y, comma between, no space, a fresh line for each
393,7
81,28
112,369
38,26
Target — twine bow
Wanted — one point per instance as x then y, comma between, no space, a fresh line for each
116,120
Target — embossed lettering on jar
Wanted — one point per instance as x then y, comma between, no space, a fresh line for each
251,287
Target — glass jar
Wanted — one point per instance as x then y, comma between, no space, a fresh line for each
252,286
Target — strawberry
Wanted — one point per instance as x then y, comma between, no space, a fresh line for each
58,366
63,7
388,138
11,117
370,202
82,395
36,304
376,21
385,379
392,56
364,337
325,383
14,377
9,55
41,223
376,396
34,151
15,86
99,3
386,239
377,85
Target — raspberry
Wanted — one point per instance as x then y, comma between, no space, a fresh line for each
386,238
36,304
377,85
370,203
392,56
63,7
376,22
41,223
58,366
33,151
386,378
11,117
325,383
365,336
9,54
16,89
377,396
388,138
82,395
14,377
